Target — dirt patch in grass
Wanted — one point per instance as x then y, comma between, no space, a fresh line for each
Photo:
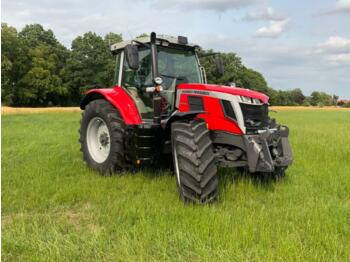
6,220
80,218
6,110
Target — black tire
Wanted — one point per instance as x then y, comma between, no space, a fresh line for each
278,174
102,109
194,161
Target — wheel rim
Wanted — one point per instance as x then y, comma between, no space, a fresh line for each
98,139
176,165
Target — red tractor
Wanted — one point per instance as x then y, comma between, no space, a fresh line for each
162,108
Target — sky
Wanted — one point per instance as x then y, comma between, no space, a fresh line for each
294,44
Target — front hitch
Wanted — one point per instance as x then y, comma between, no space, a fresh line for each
268,150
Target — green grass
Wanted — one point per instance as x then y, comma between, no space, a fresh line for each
55,208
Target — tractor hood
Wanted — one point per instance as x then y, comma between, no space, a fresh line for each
226,89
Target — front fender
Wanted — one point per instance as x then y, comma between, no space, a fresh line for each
119,98
177,115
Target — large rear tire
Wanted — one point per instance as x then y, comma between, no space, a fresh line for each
102,137
194,161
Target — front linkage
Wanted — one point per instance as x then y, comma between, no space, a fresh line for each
268,150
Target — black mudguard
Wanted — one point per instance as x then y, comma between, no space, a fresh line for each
166,126
177,115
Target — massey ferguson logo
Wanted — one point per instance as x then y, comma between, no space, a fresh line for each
198,92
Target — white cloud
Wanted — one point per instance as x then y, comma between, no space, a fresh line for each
274,29
335,50
334,44
286,64
341,6
215,5
340,59
267,14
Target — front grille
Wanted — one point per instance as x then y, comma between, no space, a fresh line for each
255,116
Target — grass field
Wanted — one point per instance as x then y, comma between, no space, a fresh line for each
55,208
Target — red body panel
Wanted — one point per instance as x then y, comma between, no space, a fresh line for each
214,117
119,98
227,90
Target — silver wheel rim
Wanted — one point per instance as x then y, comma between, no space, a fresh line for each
176,165
98,139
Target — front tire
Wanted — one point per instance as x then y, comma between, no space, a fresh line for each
194,161
102,137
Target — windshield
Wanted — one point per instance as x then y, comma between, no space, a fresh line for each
179,65
175,66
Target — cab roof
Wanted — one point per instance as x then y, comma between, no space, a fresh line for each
163,40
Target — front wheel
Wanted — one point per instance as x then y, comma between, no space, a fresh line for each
102,136
194,161
278,174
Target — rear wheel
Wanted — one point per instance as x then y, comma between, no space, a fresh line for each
194,161
102,137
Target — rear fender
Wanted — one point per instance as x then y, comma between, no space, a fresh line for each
119,98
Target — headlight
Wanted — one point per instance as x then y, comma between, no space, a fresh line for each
248,100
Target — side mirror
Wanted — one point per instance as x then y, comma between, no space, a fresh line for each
219,63
132,56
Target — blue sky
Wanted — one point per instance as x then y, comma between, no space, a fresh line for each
295,44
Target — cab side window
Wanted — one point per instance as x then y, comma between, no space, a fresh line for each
141,77
116,69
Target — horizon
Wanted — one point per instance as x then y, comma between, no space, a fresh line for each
304,46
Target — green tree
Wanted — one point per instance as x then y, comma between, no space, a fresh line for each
232,63
254,80
90,64
235,72
273,95
42,85
142,35
320,99
37,63
112,38
37,70
296,96
10,53
335,100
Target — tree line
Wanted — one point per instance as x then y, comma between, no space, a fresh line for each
37,70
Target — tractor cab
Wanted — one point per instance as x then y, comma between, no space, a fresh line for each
173,62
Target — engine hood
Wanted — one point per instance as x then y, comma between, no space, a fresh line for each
226,89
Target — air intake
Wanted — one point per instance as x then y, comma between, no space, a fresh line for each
228,109
196,103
